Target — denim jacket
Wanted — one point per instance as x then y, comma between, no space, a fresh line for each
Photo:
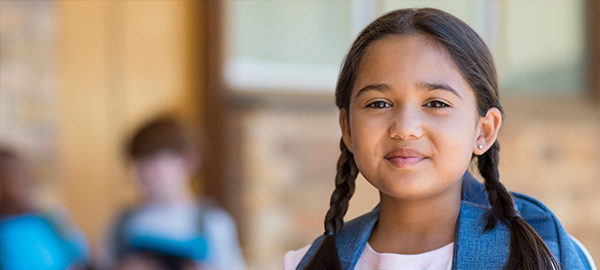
473,248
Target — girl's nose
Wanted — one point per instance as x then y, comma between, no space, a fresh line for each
405,124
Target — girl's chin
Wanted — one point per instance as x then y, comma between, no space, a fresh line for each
414,190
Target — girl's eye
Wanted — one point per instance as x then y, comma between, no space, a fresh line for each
379,105
436,104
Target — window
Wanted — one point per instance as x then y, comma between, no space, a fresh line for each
300,45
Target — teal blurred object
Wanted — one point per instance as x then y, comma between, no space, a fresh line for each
32,242
195,249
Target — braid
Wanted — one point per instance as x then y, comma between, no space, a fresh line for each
344,189
527,249
502,204
326,256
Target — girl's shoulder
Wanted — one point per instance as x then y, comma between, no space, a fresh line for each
564,246
530,209
540,217
350,240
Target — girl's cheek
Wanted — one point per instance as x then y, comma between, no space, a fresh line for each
364,128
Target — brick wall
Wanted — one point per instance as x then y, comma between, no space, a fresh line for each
549,150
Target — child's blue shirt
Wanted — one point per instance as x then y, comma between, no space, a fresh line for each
473,248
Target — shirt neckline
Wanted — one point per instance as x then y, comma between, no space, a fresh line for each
375,258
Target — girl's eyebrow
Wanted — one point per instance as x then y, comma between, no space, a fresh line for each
373,87
423,85
438,86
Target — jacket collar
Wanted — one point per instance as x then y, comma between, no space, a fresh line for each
480,252
476,248
353,238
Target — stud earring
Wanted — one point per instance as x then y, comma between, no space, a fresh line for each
480,146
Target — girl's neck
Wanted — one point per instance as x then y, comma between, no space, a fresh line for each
413,227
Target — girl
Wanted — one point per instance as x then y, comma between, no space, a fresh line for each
418,100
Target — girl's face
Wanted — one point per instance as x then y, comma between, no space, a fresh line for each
413,121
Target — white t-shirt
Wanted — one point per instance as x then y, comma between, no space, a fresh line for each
370,259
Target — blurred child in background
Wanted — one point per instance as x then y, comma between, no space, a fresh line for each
171,228
32,237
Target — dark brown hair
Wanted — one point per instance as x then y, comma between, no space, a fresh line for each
473,59
160,134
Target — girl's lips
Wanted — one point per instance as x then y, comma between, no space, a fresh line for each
403,162
404,157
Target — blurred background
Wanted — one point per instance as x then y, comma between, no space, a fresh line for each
77,77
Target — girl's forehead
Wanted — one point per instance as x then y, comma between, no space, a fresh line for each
406,48
407,58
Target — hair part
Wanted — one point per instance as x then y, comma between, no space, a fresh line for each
474,61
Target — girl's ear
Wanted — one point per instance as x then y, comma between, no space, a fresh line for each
487,130
345,126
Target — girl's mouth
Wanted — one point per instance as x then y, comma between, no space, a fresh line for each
404,157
